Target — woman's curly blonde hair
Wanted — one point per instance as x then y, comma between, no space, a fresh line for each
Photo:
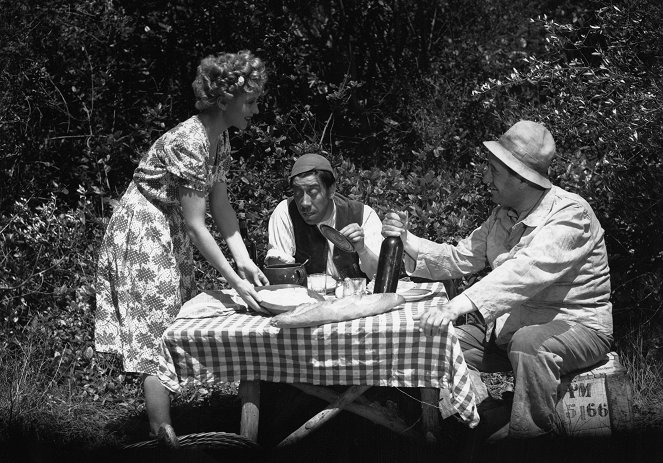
221,78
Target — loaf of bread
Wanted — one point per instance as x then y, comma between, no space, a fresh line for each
348,308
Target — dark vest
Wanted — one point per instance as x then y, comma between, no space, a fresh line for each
310,244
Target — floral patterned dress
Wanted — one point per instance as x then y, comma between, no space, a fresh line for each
146,269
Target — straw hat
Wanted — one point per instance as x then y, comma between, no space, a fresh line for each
527,148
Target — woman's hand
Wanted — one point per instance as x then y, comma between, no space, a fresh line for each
355,234
250,271
247,292
395,223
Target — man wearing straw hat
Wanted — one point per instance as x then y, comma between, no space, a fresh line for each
545,305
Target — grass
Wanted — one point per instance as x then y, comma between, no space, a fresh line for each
35,400
645,370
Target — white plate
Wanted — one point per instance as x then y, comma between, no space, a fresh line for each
414,294
275,309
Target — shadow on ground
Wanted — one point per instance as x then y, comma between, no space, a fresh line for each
347,438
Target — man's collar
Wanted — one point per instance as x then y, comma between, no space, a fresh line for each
331,220
540,211
536,215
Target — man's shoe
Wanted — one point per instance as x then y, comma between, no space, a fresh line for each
495,417
499,435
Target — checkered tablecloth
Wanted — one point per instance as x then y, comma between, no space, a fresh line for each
382,350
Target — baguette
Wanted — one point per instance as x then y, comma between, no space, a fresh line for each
348,308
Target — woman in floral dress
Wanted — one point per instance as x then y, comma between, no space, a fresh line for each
146,266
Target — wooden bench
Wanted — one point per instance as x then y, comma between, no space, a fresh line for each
597,402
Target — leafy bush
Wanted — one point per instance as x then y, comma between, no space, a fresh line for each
46,260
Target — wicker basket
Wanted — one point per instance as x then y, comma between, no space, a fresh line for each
202,440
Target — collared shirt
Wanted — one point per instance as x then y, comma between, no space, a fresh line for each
551,264
282,236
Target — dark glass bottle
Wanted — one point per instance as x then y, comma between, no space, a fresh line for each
248,242
389,265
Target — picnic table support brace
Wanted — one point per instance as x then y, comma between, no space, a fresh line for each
372,412
325,415
249,393
430,414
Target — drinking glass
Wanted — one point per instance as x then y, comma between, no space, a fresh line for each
354,286
317,282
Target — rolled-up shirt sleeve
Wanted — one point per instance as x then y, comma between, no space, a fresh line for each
441,261
556,248
372,227
281,235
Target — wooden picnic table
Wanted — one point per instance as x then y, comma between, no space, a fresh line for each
215,339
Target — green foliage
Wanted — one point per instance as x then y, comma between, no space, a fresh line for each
47,259
60,107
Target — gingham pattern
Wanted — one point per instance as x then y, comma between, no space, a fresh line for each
382,350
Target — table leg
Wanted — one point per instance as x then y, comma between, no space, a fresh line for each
325,415
249,393
430,414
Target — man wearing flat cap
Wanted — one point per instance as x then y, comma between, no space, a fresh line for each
294,226
544,305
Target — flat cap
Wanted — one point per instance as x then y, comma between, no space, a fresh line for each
309,162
